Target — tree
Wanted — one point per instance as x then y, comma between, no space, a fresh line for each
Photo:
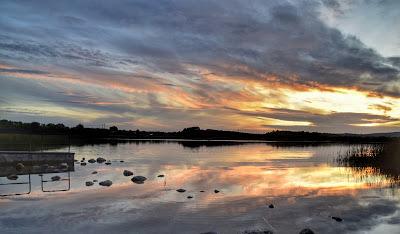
35,125
79,126
113,129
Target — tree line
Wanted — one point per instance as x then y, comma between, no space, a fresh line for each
79,131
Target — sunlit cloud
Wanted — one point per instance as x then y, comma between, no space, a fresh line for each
269,65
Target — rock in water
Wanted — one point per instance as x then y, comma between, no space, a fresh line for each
258,232
83,164
108,163
95,172
94,180
121,161
216,191
89,183
337,219
100,160
55,178
138,179
160,176
64,166
12,177
107,183
189,197
127,173
181,190
91,160
35,168
202,191
271,206
20,167
306,231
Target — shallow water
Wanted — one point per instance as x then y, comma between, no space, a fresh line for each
304,183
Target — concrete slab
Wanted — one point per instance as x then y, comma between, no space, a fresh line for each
35,162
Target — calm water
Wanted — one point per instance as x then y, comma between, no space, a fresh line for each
304,184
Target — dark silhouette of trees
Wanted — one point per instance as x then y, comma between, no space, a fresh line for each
113,129
195,133
79,127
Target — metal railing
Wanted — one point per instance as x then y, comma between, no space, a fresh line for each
18,183
42,182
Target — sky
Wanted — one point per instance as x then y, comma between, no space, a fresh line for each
256,66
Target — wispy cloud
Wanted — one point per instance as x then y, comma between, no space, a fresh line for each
180,63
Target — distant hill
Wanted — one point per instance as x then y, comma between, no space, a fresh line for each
385,134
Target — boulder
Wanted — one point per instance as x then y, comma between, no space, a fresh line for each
121,161
95,172
258,232
55,178
138,179
216,191
92,160
64,166
189,197
108,162
89,183
160,176
35,168
271,206
306,231
337,219
94,180
202,191
107,183
20,167
181,190
127,173
100,160
12,177
83,164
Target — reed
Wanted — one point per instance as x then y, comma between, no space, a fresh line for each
374,159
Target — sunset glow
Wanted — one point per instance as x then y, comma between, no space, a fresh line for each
295,68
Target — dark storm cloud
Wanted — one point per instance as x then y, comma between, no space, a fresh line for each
23,71
395,61
263,37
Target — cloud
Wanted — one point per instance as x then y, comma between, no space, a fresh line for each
23,71
198,55
266,38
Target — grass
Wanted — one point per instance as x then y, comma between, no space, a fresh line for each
31,141
374,159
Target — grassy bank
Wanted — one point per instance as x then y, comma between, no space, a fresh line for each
16,141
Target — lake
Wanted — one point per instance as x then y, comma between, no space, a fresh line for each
304,183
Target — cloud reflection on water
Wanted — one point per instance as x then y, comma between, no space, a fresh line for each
302,182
